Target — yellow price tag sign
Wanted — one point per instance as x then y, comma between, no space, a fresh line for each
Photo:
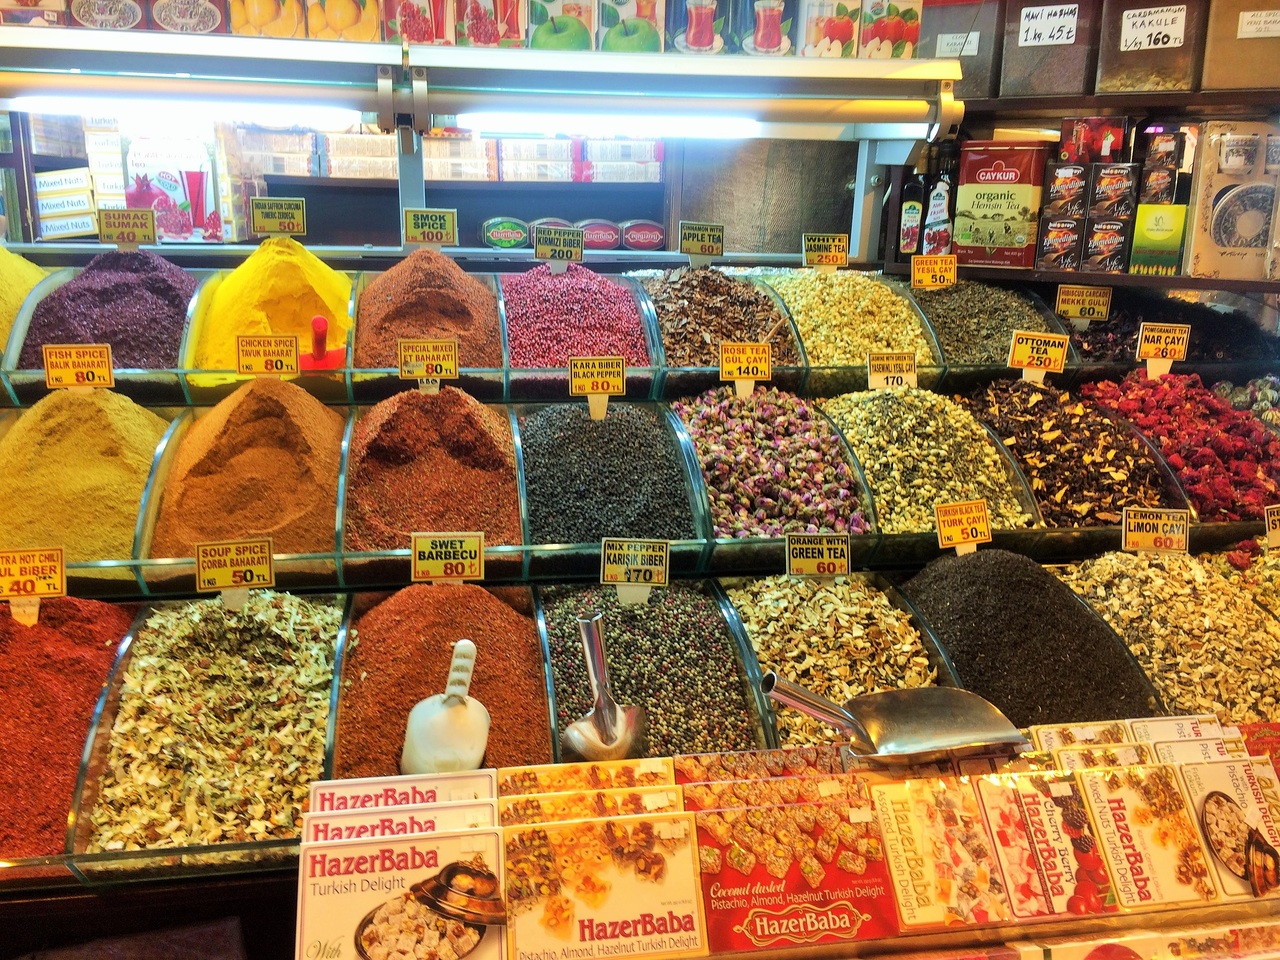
640,562
447,556
826,249
1036,354
1151,530
427,359
933,272
282,215
817,554
701,239
887,370
77,365
33,574
597,376
1163,341
127,228
235,564
266,355
1272,515
1083,305
558,244
745,361
963,525
436,227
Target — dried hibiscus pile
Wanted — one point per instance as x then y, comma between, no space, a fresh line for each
1227,460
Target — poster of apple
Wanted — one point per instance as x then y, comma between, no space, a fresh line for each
829,29
890,30
562,24
632,26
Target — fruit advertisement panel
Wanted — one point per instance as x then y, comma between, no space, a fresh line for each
698,26
490,23
268,18
189,16
359,20
174,177
890,30
562,24
827,29
764,28
419,21
632,26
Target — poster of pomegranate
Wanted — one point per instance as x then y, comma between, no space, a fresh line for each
174,177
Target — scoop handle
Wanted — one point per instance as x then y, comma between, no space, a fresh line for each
460,670
591,629
319,337
820,708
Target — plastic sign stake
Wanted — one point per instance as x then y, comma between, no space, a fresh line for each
744,364
558,246
701,242
933,273
447,556
963,525
78,366
278,215
1148,530
635,567
817,554
1036,354
235,567
826,251
428,362
1083,305
266,356
1161,344
29,576
597,379
127,229
1273,526
431,228
889,370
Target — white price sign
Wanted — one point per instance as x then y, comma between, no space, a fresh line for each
958,44
1153,28
1257,23
1051,26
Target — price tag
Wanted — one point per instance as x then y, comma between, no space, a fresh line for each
1148,530
817,554
448,556
958,44
1153,28
286,215
1258,23
1161,344
933,273
634,567
82,366
963,525
29,576
1036,354
428,361
701,242
266,355
559,246
1273,526
433,228
826,251
1053,25
744,364
1083,305
235,567
886,370
597,379
127,229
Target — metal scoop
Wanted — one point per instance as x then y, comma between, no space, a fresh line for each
609,731
908,726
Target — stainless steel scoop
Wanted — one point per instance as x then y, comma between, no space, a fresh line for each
609,731
908,726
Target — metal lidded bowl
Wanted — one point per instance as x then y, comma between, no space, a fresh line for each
463,892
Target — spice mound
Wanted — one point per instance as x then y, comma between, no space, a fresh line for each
918,449
1083,466
844,316
1216,335
262,463
699,308
772,465
277,290
422,462
1252,567
221,724
578,313
18,277
427,296
1018,638
674,656
1206,646
1227,460
137,302
50,678
840,639
73,469
402,656
974,322
622,476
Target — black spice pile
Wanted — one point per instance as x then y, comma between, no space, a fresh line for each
974,322
1019,638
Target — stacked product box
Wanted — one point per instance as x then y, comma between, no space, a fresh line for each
360,155
40,13
535,159
459,158
1161,218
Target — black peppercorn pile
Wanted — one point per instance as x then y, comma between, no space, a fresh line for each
674,656
1216,336
1019,638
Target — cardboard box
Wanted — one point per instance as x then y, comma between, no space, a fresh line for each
632,26
1066,189
42,13
399,821
1061,243
418,22
278,18
889,30
589,804
1113,190
562,24
1094,140
1235,804
1157,239
563,777
998,203
490,23
1106,245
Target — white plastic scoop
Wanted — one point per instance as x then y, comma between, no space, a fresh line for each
450,730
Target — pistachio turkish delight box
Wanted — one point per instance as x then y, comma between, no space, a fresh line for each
1053,736
1155,729
1234,803
371,793
432,895
1193,751
588,804
399,821
821,788
626,886
757,764
1145,830
603,775
1102,755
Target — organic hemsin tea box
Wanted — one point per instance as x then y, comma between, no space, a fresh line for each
998,202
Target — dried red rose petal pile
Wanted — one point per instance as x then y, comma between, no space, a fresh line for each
1227,460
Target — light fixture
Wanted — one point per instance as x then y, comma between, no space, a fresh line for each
611,125
185,113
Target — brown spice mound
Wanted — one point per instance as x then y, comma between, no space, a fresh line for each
402,654
262,463
427,295
422,462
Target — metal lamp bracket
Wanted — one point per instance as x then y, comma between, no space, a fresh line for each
386,99
418,90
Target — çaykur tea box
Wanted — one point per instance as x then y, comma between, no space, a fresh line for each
998,203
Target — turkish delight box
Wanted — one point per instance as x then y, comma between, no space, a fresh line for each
601,775
1046,848
1234,803
371,793
757,764
738,794
593,888
588,804
1100,755
399,821
1049,736
1191,751
941,856
998,203
1144,828
1155,729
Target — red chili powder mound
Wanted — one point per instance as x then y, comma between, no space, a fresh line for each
50,678
422,462
427,295
402,654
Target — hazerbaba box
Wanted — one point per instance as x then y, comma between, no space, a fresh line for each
398,821
779,791
594,888
602,775
941,856
1233,802
1145,832
1045,846
588,804
1193,727
1192,751
1049,736
436,895
1098,756
757,764
371,793
998,203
